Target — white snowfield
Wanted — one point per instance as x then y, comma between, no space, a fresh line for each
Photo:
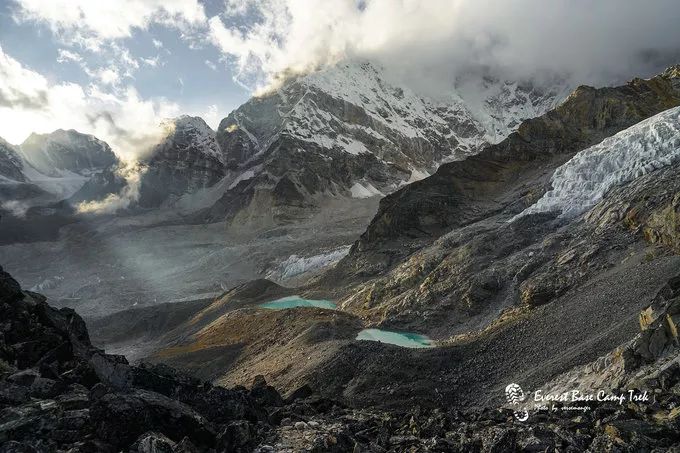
585,179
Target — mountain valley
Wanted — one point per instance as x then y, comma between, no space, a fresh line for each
531,238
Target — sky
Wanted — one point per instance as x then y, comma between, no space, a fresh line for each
115,69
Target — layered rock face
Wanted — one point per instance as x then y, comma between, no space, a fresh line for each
349,131
188,159
11,166
52,154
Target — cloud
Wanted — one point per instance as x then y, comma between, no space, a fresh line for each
132,173
30,103
91,22
429,43
65,55
152,62
212,116
19,87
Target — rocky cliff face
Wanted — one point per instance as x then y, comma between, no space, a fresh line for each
11,166
349,131
188,159
70,151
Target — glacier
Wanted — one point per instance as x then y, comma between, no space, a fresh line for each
585,179
296,265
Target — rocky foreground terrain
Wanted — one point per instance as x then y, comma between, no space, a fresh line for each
59,393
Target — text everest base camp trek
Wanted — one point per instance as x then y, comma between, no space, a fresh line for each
548,260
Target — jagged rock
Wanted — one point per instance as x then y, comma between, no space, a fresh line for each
45,388
663,225
151,442
9,288
24,378
185,446
186,160
114,371
537,292
302,392
236,437
265,394
121,417
97,396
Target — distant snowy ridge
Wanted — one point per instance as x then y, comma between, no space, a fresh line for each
501,106
585,179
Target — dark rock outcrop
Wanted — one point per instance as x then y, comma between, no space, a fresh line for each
57,392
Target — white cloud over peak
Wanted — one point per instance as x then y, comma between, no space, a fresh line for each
431,42
30,103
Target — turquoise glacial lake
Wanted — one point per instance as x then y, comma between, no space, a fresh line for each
404,339
297,301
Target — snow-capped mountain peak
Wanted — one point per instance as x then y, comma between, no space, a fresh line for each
67,150
355,108
351,125
193,130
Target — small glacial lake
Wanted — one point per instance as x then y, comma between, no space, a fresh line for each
404,339
297,301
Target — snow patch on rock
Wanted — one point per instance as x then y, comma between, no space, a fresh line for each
295,265
245,176
63,184
365,190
